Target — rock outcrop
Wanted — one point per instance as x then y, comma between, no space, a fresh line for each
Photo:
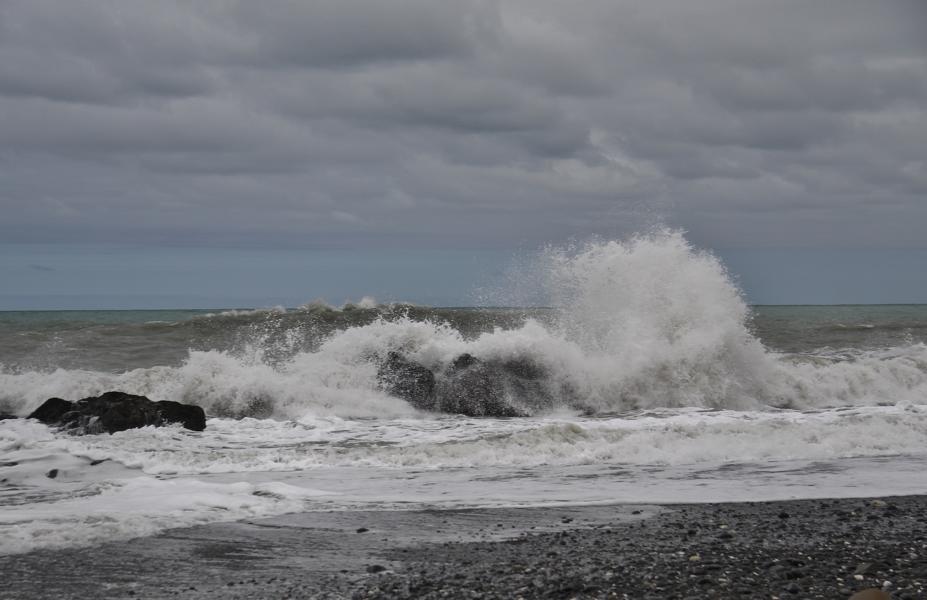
469,386
117,411
52,411
492,388
408,380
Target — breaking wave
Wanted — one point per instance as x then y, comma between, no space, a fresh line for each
644,323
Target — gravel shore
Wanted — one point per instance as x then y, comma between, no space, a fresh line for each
796,549
793,549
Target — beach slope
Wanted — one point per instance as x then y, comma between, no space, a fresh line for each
789,549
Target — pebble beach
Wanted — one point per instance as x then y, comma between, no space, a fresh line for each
771,550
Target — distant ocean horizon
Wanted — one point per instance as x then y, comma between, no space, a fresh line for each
117,277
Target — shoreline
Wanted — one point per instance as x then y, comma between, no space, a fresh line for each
824,548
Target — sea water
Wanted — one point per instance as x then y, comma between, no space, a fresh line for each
666,387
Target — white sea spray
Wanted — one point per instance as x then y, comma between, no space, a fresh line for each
645,323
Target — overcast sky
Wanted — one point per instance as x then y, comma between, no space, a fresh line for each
396,127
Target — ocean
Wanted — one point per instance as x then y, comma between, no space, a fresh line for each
645,378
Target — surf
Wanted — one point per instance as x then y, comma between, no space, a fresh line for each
642,323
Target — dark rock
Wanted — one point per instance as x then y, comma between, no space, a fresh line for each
362,530
470,386
376,569
188,415
52,410
408,380
524,369
464,360
497,388
477,390
5,416
52,474
117,411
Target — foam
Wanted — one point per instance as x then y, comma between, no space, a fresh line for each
668,438
85,503
645,323
152,479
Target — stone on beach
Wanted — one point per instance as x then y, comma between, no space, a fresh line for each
117,411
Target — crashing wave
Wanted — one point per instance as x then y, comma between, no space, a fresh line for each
644,323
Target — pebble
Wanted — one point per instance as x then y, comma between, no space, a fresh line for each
806,557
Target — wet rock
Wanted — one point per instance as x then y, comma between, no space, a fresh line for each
464,360
524,369
117,411
188,415
52,411
469,385
408,380
477,390
492,388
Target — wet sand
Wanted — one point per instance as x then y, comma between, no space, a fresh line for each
792,549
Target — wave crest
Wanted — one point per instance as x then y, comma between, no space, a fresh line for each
644,323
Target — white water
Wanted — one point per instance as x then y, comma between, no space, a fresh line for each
686,404
156,478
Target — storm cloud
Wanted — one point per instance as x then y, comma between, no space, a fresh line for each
463,124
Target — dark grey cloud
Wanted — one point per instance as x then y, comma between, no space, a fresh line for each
345,33
473,123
